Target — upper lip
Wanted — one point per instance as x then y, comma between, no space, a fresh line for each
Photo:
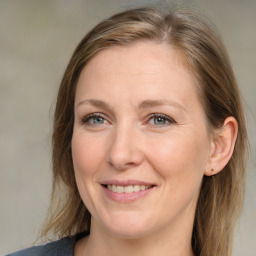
126,182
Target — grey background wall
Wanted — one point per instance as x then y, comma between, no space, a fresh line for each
37,39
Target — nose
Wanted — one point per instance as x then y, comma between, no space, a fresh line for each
124,151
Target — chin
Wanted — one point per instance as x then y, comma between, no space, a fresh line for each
129,227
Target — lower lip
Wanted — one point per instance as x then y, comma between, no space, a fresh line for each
127,197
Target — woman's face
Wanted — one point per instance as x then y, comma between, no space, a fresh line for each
140,144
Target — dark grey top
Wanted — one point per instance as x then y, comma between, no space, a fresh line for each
62,247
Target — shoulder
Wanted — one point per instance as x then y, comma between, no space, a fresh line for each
62,247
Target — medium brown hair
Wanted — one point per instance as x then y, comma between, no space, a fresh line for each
221,196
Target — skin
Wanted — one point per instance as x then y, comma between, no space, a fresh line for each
127,143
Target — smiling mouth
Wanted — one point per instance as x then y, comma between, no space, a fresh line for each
127,189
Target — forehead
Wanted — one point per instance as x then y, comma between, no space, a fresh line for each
144,69
151,53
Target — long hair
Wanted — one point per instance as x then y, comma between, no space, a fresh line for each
221,196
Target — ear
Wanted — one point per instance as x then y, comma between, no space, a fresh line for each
222,146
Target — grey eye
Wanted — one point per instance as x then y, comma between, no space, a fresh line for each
160,121
96,120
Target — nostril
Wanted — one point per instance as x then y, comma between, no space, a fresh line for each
124,153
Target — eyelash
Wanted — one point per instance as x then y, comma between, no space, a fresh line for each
170,121
164,117
87,118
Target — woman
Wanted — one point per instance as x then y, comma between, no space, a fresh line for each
149,141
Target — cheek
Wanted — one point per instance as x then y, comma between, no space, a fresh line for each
87,153
180,160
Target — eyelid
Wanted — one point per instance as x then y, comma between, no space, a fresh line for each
168,118
86,118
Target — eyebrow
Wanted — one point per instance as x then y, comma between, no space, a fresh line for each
144,104
157,103
94,102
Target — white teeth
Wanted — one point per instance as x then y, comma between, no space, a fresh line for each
127,189
119,189
114,188
136,188
142,187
